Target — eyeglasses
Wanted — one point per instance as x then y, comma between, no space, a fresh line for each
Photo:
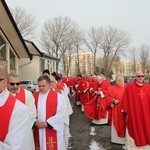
13,84
2,79
140,76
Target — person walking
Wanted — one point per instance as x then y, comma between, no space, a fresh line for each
136,108
97,108
51,115
58,88
26,97
14,119
117,117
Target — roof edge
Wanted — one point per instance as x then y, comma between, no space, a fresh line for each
16,28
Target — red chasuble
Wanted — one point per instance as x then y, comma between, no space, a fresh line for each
71,83
60,85
91,87
84,95
5,115
97,107
51,108
117,116
136,105
21,95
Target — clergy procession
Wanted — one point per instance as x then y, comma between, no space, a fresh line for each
41,120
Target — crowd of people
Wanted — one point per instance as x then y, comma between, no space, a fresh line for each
123,106
33,121
40,120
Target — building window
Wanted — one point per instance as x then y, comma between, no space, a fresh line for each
42,64
53,65
2,52
12,60
48,65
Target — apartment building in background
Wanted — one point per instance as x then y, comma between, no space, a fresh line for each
86,62
86,65
125,67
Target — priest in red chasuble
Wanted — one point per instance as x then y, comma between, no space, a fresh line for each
136,106
117,117
96,108
83,90
77,81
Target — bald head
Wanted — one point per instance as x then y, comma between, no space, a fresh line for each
120,80
139,77
3,78
3,72
139,73
99,78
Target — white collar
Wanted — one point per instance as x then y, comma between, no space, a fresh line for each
3,96
140,84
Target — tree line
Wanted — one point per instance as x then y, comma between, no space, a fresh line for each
62,36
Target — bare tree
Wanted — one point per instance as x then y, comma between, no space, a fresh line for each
66,58
25,22
57,36
78,42
72,46
114,42
99,67
144,57
67,61
92,41
134,59
116,66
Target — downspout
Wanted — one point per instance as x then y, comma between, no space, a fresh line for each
20,67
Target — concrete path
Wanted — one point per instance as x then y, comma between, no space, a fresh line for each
87,137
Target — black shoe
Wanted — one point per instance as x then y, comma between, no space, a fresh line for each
93,124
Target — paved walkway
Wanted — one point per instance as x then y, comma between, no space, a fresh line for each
87,137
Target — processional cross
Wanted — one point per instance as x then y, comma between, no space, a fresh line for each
141,94
51,143
37,146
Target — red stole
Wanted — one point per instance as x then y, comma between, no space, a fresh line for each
5,115
51,108
21,95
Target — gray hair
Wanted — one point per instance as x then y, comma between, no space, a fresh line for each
13,75
44,77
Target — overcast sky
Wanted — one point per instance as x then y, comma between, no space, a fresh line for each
131,16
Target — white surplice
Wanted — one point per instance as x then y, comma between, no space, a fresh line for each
67,121
56,121
114,136
66,89
18,135
101,121
30,103
130,144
